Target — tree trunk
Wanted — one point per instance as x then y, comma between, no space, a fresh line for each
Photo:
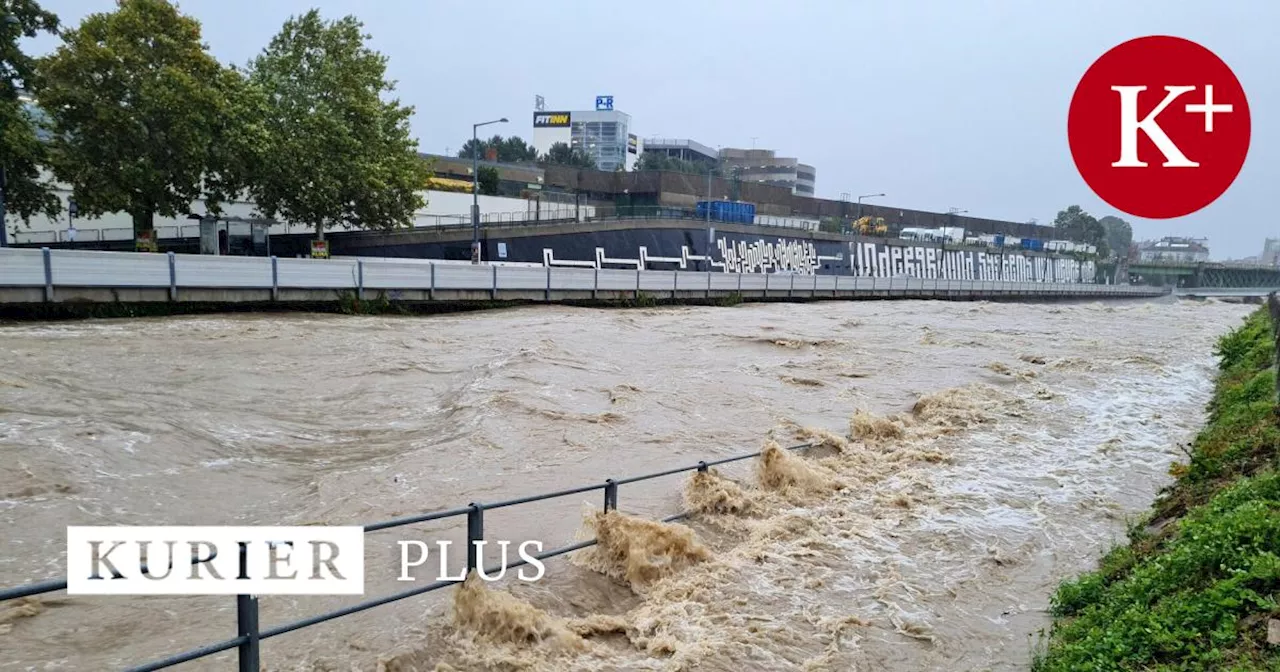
143,220
319,230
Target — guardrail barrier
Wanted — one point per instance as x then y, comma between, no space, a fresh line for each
51,271
250,633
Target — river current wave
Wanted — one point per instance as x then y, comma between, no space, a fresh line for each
969,456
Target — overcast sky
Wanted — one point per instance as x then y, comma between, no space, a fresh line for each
941,103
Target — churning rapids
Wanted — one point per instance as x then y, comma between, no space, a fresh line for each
972,455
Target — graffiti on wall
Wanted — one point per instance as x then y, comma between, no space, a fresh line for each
757,256
879,260
761,256
866,259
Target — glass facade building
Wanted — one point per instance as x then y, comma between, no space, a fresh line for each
603,139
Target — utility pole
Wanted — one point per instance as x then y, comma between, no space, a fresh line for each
475,187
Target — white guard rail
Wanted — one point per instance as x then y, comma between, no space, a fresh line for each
47,269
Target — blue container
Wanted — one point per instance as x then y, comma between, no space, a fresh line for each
727,211
999,240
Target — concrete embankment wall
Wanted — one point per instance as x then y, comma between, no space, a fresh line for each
30,278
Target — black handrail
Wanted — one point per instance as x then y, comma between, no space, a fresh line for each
249,634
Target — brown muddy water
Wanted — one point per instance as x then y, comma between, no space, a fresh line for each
972,456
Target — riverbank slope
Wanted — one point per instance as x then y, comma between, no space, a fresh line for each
1196,585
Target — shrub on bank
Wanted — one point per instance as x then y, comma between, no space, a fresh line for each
1200,578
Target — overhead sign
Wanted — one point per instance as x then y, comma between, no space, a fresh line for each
550,119
604,102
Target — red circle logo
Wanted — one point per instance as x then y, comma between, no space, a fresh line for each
1159,127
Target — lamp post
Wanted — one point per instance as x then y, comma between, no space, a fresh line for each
475,187
8,20
860,202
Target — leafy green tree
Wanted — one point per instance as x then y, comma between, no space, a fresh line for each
516,150
508,150
138,108
488,180
1119,234
1078,225
561,154
336,153
22,154
657,161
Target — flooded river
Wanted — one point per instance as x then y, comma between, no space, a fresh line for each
974,455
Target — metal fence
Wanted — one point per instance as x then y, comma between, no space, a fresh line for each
249,632
555,215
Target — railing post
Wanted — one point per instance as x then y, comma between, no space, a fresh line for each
1273,307
637,283
275,278
708,285
475,533
247,627
791,288
493,293
360,279
548,292
48,274
610,495
431,288
173,276
595,287
739,283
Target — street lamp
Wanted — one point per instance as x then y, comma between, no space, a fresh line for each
9,20
860,202
475,187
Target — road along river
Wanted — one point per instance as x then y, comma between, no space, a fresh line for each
996,448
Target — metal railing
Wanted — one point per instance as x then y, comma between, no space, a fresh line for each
249,632
556,215
546,217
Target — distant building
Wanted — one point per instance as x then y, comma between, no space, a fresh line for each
1271,252
603,133
1175,250
683,149
765,167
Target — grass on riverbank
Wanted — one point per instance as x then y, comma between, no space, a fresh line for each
1198,581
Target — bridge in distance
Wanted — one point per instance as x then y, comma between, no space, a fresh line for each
1204,275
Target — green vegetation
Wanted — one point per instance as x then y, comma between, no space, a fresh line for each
139,117
656,161
336,148
138,106
1119,235
1200,577
561,154
489,179
1076,224
507,150
21,152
